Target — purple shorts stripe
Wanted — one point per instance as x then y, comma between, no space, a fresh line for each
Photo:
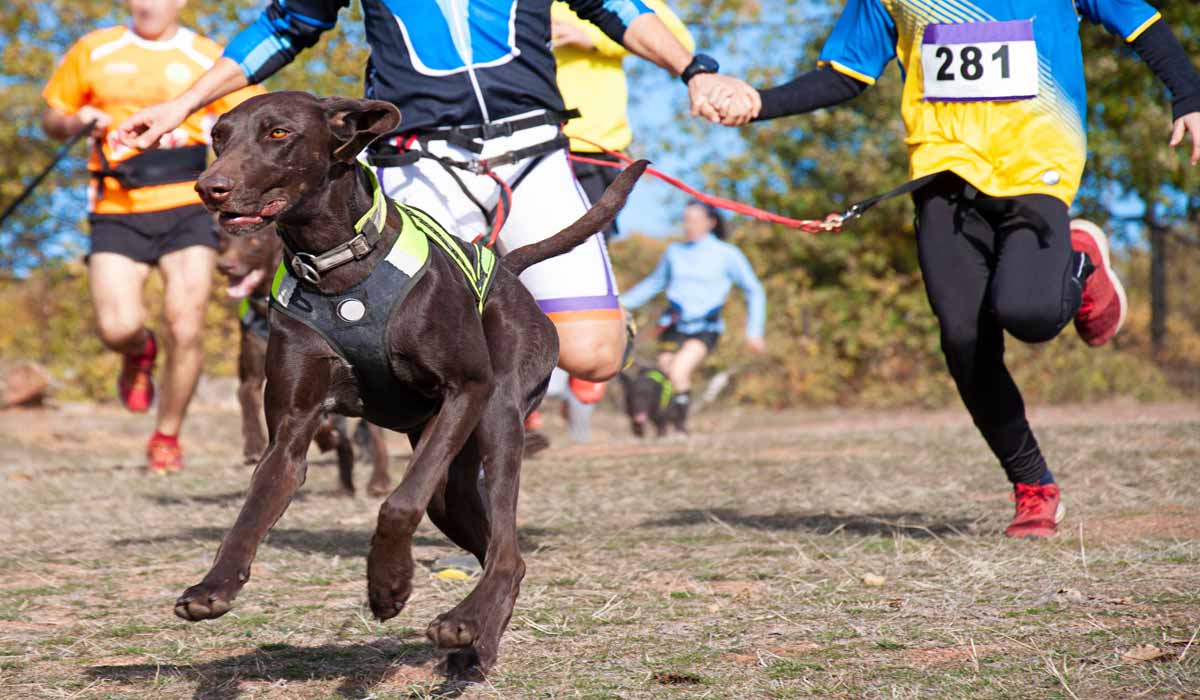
551,306
979,32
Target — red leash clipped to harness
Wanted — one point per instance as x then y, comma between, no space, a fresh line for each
829,224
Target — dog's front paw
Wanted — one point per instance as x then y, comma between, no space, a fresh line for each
387,600
389,581
205,601
449,631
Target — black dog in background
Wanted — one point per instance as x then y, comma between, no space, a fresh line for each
647,394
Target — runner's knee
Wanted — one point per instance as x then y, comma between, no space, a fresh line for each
960,342
1031,320
185,329
595,357
119,330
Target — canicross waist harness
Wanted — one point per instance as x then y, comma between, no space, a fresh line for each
399,151
156,167
354,322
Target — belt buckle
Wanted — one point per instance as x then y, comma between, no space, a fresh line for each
305,269
491,130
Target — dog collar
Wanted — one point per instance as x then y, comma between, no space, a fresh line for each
368,230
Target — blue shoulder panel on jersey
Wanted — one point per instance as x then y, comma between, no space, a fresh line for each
863,41
1124,18
626,10
257,44
300,16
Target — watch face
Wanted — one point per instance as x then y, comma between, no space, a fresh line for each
707,63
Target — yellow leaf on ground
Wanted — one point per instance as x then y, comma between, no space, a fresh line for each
1144,653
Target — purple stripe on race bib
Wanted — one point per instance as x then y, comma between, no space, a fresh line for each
979,32
999,98
550,306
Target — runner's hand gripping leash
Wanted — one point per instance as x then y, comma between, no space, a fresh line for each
62,153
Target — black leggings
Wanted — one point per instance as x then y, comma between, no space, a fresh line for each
995,264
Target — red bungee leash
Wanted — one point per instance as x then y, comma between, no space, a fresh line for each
830,224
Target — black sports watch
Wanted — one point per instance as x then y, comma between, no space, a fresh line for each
701,63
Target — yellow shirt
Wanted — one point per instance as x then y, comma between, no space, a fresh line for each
1026,132
117,71
593,81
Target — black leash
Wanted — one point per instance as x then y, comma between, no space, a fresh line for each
62,153
857,209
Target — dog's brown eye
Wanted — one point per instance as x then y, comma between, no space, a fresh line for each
278,133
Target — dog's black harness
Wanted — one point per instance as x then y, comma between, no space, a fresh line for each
354,322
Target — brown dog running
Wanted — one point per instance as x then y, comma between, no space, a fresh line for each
249,262
465,368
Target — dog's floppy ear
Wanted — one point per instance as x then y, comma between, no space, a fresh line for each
356,123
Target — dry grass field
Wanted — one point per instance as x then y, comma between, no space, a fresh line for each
799,555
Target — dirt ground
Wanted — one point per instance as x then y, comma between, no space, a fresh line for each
799,555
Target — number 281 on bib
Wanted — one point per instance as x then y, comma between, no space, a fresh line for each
980,61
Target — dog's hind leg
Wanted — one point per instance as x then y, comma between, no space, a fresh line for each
251,374
473,628
389,565
458,509
345,456
381,482
296,390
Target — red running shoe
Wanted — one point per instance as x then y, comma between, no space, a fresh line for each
163,454
587,392
1102,312
1039,510
135,385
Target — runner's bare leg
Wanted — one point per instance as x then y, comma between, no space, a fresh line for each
187,278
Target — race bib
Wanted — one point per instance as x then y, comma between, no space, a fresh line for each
980,61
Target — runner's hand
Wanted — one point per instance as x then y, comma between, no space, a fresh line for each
1183,125
723,100
144,129
567,34
756,345
88,113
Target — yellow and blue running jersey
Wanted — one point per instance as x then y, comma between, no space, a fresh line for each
993,89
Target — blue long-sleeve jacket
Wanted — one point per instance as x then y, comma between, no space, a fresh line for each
442,62
697,277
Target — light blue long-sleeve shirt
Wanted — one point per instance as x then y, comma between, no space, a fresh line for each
697,277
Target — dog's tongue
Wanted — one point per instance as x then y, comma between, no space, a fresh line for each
245,286
272,208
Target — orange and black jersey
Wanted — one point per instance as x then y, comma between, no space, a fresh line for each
118,72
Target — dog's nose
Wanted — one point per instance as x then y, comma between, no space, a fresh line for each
215,188
225,267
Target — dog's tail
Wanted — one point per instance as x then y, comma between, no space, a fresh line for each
596,219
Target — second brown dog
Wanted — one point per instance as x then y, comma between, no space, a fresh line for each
249,262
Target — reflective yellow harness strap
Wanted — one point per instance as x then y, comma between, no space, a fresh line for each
478,273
